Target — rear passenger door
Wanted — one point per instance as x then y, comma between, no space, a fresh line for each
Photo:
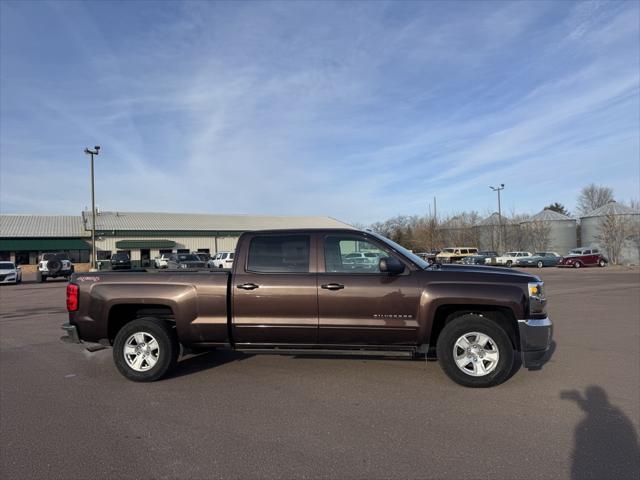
274,291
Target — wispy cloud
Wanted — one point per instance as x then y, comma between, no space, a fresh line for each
358,111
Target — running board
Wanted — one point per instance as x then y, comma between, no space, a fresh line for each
309,351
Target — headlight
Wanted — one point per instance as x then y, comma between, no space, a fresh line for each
536,289
537,298
183,265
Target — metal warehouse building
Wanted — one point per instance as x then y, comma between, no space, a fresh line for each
143,235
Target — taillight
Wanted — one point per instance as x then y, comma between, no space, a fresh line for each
72,297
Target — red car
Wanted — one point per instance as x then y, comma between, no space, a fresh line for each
584,257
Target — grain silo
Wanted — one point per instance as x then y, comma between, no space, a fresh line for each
490,233
556,232
600,228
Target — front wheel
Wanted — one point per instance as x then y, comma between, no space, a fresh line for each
475,352
146,350
540,264
577,265
509,263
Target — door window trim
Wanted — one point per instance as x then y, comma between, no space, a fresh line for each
312,255
365,238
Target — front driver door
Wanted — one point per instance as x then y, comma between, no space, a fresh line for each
358,304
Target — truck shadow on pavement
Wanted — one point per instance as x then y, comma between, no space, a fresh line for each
606,443
206,360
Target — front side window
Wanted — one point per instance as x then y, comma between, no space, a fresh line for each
279,254
223,256
351,255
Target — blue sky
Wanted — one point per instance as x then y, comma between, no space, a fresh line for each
360,111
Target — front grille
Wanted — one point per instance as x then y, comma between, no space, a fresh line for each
2,277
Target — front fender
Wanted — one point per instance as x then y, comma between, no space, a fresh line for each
469,294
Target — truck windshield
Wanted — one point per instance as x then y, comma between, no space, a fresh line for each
403,251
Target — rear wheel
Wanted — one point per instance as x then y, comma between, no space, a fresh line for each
146,350
602,263
475,352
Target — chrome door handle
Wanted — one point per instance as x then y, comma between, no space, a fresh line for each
332,286
248,286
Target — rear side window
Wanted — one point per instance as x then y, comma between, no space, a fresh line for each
279,254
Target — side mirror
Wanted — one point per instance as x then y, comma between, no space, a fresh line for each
391,265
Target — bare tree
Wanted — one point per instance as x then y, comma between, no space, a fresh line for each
593,196
613,231
537,234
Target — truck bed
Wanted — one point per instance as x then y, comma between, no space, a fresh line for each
196,300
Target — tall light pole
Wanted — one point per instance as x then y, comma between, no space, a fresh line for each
499,189
93,152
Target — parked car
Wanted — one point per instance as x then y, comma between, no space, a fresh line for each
290,292
539,259
430,256
474,260
481,258
584,257
185,260
204,256
455,254
221,260
120,261
53,265
361,260
162,261
510,258
10,273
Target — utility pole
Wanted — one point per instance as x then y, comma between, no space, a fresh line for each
500,235
93,152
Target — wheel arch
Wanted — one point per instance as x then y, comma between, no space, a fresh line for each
503,316
123,313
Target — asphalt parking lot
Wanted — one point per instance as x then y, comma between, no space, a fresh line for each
67,413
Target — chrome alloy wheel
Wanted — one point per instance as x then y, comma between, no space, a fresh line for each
476,354
141,351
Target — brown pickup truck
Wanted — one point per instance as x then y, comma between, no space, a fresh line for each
333,291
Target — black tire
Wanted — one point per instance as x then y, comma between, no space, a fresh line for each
577,265
602,263
540,264
509,263
475,323
169,349
54,265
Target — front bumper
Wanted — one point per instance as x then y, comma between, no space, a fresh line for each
71,334
9,279
535,340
